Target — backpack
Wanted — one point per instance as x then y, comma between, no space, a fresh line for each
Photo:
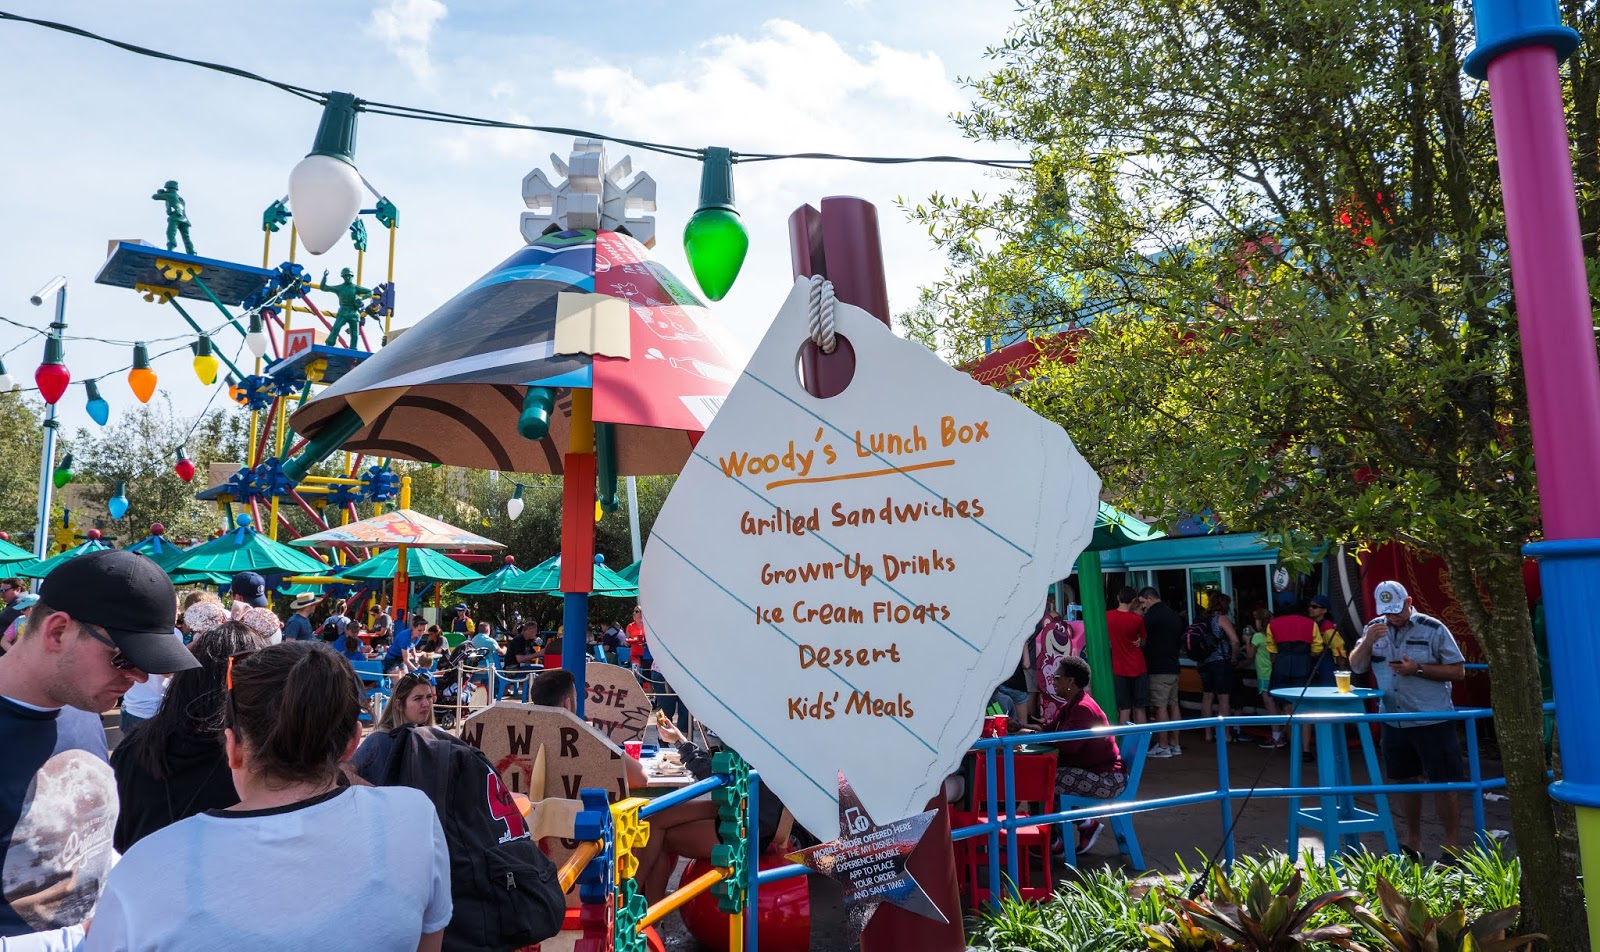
505,890
1198,642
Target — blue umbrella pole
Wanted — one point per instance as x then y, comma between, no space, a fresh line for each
575,639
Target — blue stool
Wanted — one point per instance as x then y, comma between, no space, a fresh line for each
1336,817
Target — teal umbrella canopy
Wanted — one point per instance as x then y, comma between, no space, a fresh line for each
1114,529
494,583
631,573
41,569
11,554
545,579
216,579
420,564
245,550
158,549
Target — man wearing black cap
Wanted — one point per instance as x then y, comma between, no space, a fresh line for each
102,623
250,589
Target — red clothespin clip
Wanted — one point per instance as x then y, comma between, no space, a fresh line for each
839,243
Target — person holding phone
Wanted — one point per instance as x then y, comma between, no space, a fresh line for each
1416,660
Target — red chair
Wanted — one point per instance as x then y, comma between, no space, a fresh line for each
1035,782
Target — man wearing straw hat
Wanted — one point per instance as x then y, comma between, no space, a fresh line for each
298,626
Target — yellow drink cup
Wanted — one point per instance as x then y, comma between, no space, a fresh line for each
1341,680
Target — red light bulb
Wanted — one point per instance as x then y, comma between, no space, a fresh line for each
52,380
183,467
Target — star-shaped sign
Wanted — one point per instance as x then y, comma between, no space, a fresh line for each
870,860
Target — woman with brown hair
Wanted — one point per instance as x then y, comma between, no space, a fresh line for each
276,870
173,766
411,704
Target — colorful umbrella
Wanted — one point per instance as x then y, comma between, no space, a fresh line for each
494,583
10,553
421,563
452,388
400,527
245,550
545,579
41,569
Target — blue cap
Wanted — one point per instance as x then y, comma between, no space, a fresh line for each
250,588
1323,601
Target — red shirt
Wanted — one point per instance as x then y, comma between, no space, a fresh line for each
636,641
1288,629
1127,635
1097,754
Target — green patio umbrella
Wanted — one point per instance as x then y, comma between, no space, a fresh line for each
1113,529
631,573
158,549
545,579
200,578
41,569
11,554
495,582
243,549
420,564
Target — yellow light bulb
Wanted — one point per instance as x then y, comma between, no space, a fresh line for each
205,367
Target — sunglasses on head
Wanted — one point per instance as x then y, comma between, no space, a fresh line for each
233,711
119,660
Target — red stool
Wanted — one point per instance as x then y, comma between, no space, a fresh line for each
1035,782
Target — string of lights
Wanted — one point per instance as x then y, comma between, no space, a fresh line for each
400,111
36,332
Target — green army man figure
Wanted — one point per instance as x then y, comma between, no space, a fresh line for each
177,217
351,295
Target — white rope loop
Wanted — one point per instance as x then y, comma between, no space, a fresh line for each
819,311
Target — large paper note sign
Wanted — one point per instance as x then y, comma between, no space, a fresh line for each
617,704
839,585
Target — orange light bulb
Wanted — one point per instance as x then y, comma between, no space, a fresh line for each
142,381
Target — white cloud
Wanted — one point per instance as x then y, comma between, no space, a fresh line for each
406,27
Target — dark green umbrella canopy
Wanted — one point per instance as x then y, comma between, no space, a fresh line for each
245,550
494,583
10,554
420,564
41,569
545,579
1114,529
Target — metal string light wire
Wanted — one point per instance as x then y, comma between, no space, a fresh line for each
400,111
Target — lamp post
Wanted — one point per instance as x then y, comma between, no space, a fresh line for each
47,459
1519,51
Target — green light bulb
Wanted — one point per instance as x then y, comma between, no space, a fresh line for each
715,240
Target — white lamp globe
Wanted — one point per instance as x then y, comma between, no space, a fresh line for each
514,507
325,194
324,189
256,338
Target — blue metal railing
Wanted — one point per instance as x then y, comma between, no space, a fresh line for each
1225,794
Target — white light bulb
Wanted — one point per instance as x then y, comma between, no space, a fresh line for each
257,342
325,195
6,383
514,507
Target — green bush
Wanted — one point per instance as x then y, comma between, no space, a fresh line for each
1105,911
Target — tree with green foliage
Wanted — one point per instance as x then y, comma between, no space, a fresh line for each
137,448
1274,230
20,419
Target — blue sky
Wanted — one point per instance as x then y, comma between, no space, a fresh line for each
93,131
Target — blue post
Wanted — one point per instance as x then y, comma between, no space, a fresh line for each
752,903
575,640
994,834
1223,790
1011,817
1474,773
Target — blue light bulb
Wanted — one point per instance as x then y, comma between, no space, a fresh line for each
99,409
118,503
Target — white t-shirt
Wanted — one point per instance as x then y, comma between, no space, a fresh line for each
144,698
359,868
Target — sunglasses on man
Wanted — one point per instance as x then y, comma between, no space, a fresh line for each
118,660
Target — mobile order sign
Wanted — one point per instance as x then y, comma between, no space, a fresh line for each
839,584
